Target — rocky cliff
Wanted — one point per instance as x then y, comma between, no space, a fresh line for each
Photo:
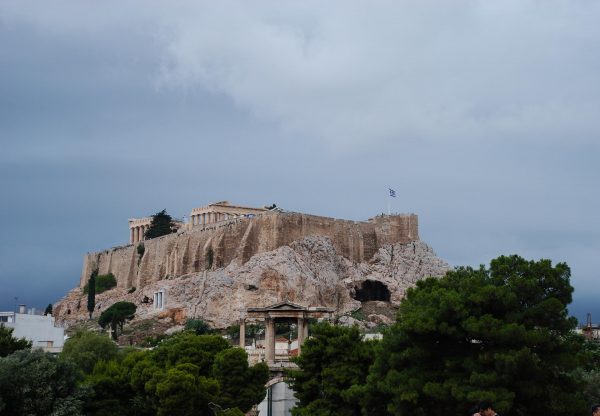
309,260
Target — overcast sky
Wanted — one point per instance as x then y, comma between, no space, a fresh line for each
482,115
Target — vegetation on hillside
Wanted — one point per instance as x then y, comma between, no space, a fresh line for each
91,292
198,326
103,282
116,315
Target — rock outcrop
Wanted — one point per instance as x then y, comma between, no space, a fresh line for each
330,270
237,240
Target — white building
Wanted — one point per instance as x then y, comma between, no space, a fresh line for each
279,400
38,329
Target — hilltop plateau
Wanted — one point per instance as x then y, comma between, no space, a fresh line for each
215,273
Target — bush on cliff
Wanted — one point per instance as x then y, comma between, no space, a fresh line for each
104,282
198,326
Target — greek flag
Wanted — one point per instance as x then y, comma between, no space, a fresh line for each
392,193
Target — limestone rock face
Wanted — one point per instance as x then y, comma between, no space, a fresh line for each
238,240
312,271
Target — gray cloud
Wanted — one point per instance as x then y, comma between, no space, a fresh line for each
482,116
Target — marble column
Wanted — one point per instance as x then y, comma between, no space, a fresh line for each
204,219
270,340
131,236
242,333
300,333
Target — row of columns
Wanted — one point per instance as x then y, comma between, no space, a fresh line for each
136,234
208,218
270,336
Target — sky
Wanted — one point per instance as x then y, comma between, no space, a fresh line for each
482,115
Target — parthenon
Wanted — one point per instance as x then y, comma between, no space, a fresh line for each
220,211
201,216
137,229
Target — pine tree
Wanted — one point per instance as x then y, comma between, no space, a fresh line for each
500,333
162,224
91,303
48,310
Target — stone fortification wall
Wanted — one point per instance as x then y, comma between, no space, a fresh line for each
236,241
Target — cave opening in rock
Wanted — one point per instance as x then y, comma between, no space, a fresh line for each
372,290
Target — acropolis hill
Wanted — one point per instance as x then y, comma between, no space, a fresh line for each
229,258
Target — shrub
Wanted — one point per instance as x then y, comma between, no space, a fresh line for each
86,348
198,326
131,289
104,282
209,258
140,251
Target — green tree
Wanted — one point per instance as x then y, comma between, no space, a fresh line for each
500,333
233,331
188,347
162,224
116,315
589,372
9,344
48,310
111,392
333,361
86,348
183,392
181,376
91,300
36,383
241,386
198,326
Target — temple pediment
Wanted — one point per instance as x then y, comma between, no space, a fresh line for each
281,306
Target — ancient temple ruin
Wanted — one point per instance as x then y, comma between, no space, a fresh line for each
200,216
